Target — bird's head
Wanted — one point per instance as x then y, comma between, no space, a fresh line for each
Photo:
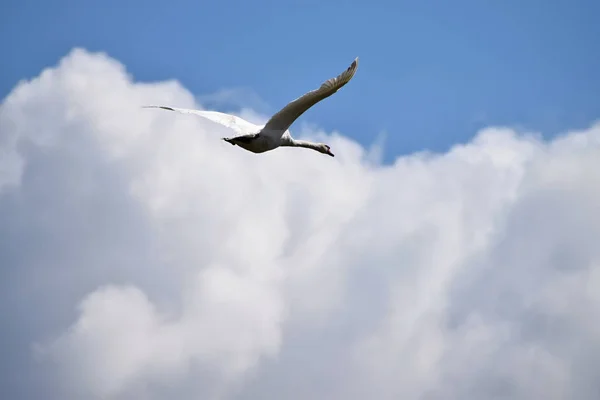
325,149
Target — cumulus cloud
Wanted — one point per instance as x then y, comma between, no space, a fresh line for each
142,257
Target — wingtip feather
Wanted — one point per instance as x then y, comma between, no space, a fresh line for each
163,107
352,68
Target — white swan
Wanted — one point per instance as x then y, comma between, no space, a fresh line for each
275,133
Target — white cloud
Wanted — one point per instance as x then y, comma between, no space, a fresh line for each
142,257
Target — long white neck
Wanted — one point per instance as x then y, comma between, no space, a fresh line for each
301,143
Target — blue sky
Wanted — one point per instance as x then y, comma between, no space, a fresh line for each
431,72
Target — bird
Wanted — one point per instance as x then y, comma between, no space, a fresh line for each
275,133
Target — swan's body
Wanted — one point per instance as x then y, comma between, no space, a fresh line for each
275,133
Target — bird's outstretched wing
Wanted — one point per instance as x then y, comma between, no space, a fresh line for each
281,121
239,125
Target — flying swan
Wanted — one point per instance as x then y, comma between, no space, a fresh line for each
275,133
